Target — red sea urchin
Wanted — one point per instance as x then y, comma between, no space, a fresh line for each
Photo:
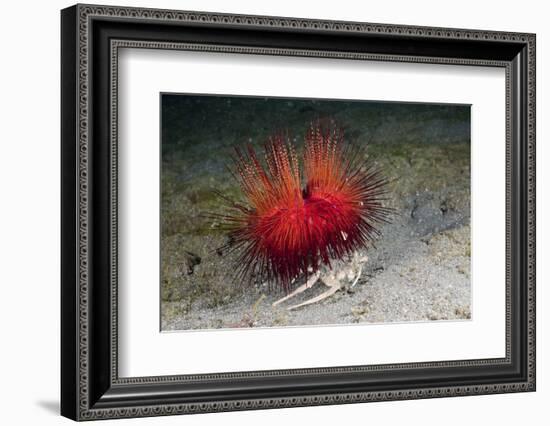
284,230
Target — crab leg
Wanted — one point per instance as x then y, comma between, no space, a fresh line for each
329,292
358,275
309,283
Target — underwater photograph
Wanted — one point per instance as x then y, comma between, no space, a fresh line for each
280,212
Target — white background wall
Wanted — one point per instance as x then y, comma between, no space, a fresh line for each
29,212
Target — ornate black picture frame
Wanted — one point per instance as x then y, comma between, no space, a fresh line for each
91,36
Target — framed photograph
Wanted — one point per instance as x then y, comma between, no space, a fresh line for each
263,212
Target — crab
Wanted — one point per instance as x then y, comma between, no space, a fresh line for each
336,276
